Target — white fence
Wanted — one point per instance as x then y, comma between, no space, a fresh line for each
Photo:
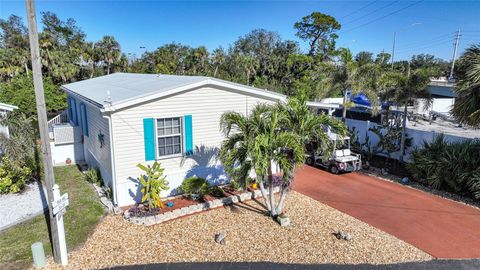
417,136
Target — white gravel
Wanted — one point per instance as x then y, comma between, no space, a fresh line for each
15,208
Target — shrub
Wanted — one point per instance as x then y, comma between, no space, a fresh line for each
153,182
450,166
93,176
216,191
13,178
194,187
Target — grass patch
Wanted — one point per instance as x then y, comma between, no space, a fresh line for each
82,215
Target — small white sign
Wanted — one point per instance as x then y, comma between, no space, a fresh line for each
60,204
60,200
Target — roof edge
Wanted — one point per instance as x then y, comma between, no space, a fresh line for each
208,81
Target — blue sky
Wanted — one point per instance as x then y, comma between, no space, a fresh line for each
424,27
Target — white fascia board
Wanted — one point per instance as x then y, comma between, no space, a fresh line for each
68,91
7,107
149,97
323,105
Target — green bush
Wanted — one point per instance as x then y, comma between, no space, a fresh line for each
93,176
450,166
13,178
194,187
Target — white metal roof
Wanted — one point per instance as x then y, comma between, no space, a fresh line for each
119,90
7,107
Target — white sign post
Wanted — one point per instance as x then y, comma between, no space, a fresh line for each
59,206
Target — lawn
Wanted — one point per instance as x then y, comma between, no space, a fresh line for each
82,215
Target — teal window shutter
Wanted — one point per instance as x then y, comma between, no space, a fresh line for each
74,112
69,108
188,134
83,113
149,138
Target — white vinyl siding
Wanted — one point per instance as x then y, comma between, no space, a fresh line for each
97,154
206,105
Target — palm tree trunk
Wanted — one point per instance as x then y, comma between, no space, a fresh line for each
404,127
344,110
271,196
264,194
215,72
281,202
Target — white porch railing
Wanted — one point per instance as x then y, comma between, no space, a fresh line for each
62,118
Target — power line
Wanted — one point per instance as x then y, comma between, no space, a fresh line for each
360,9
383,17
370,13
426,46
426,42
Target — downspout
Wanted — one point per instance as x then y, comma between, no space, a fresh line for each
112,159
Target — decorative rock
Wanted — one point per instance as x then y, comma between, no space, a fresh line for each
220,238
405,180
283,220
384,171
342,236
169,204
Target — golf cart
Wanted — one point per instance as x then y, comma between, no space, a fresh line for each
340,160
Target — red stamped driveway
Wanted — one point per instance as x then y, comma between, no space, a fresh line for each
440,227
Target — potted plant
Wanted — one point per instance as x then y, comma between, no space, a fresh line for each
68,161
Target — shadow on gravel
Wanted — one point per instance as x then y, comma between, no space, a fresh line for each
433,265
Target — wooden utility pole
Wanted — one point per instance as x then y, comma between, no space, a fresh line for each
42,123
454,55
393,49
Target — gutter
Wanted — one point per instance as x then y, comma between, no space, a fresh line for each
112,159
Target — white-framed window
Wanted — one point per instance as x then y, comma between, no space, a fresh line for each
169,136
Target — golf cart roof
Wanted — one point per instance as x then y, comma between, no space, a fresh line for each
336,137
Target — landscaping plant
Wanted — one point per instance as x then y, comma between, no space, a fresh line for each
449,166
273,136
12,177
153,182
194,188
93,176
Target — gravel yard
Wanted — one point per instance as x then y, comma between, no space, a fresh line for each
15,208
250,236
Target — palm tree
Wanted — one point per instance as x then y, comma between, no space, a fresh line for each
218,58
467,104
273,135
109,50
255,143
408,88
348,75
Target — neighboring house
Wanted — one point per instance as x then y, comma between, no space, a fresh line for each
4,110
125,119
443,98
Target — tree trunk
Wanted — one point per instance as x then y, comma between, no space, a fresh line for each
215,72
404,127
271,196
344,110
281,202
264,194
93,69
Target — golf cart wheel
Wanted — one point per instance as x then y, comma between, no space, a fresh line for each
309,161
333,169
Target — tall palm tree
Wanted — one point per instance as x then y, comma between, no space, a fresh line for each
348,76
467,104
218,58
109,51
409,87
